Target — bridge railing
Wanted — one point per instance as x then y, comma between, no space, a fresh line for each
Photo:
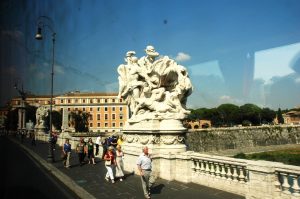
287,180
252,179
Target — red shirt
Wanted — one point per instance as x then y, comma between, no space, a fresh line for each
111,156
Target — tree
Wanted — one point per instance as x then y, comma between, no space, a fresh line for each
229,114
267,115
56,119
30,113
11,121
251,113
81,120
280,117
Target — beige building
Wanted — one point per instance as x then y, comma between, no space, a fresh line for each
292,117
107,112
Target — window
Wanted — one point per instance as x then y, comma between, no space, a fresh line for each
83,101
121,124
83,109
121,116
121,100
105,100
91,109
106,116
113,124
105,109
76,100
98,100
113,100
106,124
113,108
69,101
76,109
61,101
113,116
91,124
121,108
98,117
98,109
69,109
91,117
91,101
98,124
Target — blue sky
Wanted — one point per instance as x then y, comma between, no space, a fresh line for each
236,51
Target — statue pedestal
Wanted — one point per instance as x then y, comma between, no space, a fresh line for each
40,130
161,137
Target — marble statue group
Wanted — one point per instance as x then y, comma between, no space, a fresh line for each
154,87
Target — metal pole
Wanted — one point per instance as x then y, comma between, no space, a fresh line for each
50,154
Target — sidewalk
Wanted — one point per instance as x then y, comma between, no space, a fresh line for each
88,181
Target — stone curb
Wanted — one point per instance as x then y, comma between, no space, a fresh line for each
78,190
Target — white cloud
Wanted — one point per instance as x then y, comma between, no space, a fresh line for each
59,69
275,62
181,57
225,97
228,99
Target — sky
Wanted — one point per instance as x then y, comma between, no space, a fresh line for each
236,51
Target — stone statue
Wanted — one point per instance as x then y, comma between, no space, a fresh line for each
153,87
41,114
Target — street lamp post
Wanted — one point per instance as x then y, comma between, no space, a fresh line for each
46,22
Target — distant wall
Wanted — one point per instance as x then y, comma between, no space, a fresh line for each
216,139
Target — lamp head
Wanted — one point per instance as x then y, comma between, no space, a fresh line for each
39,35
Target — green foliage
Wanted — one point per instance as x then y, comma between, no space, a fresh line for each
251,113
240,156
280,117
11,121
30,113
289,156
81,120
56,120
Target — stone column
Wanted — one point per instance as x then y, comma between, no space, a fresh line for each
261,180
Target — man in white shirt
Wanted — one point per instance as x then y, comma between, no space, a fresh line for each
144,164
98,143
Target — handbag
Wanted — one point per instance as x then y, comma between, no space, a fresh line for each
107,162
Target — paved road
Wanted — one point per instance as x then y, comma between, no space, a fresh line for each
22,177
89,179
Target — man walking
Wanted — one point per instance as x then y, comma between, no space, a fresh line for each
144,164
98,143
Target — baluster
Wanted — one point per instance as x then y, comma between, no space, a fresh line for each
212,169
197,167
285,185
202,167
277,182
228,174
207,167
193,165
241,176
218,170
234,175
295,186
223,173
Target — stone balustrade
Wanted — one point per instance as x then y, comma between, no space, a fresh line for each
287,180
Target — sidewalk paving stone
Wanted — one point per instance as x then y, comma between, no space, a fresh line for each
91,178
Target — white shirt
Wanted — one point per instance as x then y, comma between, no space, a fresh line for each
144,161
98,140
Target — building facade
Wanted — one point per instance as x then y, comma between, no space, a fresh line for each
108,113
292,117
